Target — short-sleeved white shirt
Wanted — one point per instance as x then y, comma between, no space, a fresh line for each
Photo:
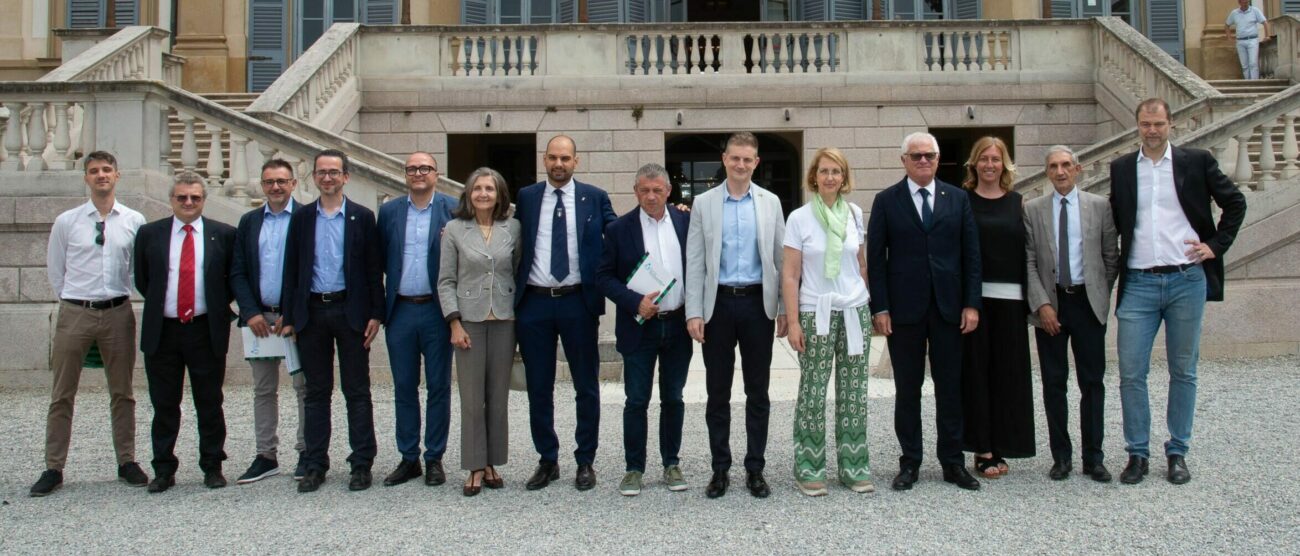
804,233
1246,23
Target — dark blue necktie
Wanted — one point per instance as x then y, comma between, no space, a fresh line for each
559,240
926,214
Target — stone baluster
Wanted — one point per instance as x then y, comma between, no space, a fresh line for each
1267,158
189,144
657,45
36,137
13,143
498,63
470,60
88,139
818,44
454,45
771,51
712,63
164,140
267,152
1226,154
63,157
1290,150
216,163
1244,169
237,185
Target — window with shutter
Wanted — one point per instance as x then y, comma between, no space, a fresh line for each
638,11
568,11
1164,19
815,10
379,12
266,47
474,12
89,14
849,9
1063,9
603,11
965,9
1291,7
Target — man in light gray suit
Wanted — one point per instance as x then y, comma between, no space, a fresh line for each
733,294
1072,254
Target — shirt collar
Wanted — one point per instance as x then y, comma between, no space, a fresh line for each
1169,154
90,209
177,225
411,204
567,188
645,216
343,209
288,209
914,187
1073,196
749,193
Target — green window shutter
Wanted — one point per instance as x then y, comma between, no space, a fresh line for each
1063,9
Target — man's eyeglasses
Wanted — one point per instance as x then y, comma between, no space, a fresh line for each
328,173
916,157
99,233
420,170
196,199
279,182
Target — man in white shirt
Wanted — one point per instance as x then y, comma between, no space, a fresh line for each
89,267
1247,21
649,327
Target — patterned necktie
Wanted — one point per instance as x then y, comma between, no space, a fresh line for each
185,284
559,240
1063,277
926,214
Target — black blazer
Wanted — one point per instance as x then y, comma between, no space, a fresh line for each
363,267
1197,179
246,272
152,251
624,247
593,213
907,265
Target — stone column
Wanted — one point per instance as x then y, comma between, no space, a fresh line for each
211,34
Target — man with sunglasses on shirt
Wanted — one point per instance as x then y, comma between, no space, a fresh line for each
88,264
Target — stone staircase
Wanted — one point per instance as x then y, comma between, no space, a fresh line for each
234,101
1254,89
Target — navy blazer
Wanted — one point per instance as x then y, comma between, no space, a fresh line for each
246,270
1197,180
624,247
362,267
392,239
152,257
907,265
594,212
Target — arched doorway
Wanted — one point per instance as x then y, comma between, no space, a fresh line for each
694,163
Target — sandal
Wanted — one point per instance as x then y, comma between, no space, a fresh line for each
1002,466
988,467
492,480
473,487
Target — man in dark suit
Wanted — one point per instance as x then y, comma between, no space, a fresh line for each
1171,263
563,222
924,261
257,279
182,268
649,327
334,295
410,228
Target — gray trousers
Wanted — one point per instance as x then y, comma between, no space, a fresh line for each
266,402
483,377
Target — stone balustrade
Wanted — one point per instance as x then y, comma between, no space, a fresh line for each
1132,68
173,65
1278,58
134,53
323,76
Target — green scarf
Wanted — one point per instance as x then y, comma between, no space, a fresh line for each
834,221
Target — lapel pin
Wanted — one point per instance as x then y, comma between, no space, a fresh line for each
352,217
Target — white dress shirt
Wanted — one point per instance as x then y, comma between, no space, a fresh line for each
174,268
540,273
1075,229
665,251
1161,226
916,197
77,267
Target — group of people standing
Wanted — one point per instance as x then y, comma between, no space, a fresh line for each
937,270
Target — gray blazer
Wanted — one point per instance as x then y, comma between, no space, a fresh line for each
704,251
475,277
1100,253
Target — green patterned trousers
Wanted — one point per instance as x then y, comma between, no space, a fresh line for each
820,353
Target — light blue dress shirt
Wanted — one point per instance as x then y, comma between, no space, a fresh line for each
1076,231
740,264
327,265
270,249
415,251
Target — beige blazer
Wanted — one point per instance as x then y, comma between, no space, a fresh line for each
704,250
1100,253
475,277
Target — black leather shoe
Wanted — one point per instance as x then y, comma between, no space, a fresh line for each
131,474
50,481
161,483
586,477
434,474
405,471
905,478
1098,472
958,475
547,471
717,485
1060,471
360,479
311,480
214,479
1178,473
757,485
1134,470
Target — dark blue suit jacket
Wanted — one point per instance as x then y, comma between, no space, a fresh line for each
593,213
624,247
392,238
907,265
246,270
362,267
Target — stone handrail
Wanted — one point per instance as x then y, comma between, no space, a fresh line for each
1278,58
1133,68
172,66
134,53
321,78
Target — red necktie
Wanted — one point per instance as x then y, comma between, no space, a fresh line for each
185,285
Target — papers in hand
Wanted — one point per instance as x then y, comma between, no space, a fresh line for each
646,278
272,347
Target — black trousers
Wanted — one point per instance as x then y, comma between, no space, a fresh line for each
907,349
738,320
328,327
183,347
1081,331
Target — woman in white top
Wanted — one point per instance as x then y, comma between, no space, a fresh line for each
824,281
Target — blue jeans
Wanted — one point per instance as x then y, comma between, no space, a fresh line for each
417,330
1177,299
667,341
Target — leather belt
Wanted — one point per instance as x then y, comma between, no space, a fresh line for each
554,292
1166,269
271,309
329,297
675,313
1250,38
1071,289
741,291
99,305
415,299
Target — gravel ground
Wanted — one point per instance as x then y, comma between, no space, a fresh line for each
1239,501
